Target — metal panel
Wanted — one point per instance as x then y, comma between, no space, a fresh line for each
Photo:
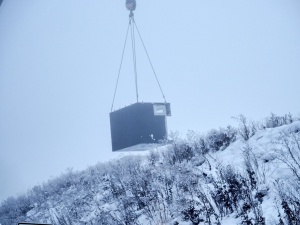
138,124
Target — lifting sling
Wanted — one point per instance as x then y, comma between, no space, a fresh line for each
131,6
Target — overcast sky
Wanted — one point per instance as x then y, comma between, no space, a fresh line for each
59,62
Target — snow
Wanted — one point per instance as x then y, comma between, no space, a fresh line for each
263,145
230,220
143,147
262,148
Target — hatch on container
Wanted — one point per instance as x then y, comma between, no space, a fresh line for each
139,127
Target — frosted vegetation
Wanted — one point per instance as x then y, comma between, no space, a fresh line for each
244,175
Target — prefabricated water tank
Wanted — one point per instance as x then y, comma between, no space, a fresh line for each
139,126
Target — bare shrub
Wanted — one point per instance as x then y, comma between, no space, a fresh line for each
277,121
289,190
244,130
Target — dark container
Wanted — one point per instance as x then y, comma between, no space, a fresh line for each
139,126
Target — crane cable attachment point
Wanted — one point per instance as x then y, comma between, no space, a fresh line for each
131,6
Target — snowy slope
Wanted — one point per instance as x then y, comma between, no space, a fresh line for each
190,182
265,146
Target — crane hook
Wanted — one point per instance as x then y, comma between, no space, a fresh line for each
130,5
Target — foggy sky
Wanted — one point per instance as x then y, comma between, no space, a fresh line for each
59,62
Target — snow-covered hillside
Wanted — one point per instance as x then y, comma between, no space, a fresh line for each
244,175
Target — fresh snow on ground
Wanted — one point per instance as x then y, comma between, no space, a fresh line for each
110,192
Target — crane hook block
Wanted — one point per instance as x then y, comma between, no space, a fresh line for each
130,5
